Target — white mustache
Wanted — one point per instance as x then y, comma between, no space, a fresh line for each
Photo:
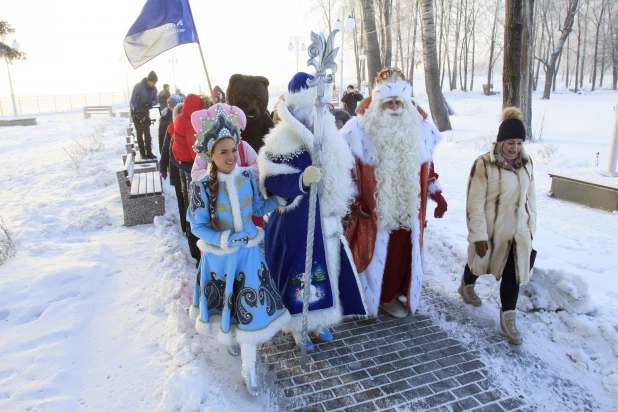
394,112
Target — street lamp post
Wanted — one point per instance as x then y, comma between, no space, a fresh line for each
297,40
173,60
14,46
349,25
126,77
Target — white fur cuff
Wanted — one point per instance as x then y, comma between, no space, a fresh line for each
224,239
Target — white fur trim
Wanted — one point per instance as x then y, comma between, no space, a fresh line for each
359,285
225,237
263,335
434,187
371,278
429,137
300,184
194,312
400,89
232,193
416,281
257,239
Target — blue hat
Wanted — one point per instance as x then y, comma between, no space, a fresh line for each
299,82
173,101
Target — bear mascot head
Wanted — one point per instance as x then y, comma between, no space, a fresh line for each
250,94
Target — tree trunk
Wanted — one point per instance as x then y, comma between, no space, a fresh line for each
513,29
527,65
553,86
566,30
595,61
474,16
492,47
457,28
432,82
413,66
567,63
603,53
579,43
583,58
371,40
387,37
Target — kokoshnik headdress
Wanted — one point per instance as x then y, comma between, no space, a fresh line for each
214,128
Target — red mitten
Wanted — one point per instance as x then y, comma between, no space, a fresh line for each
442,207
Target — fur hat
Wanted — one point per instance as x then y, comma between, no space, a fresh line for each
152,77
341,115
512,126
220,120
391,83
299,82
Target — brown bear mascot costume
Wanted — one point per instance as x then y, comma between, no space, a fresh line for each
250,94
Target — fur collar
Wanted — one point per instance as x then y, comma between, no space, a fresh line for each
289,135
496,157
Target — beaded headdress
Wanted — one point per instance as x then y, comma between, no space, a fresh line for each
214,129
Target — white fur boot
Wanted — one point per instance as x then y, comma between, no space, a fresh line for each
508,326
248,355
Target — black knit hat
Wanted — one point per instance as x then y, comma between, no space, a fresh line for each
512,126
152,77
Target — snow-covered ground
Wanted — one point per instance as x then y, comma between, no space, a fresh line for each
92,312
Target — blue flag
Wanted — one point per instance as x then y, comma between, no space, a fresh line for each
162,25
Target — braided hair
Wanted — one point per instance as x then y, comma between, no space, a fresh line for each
213,186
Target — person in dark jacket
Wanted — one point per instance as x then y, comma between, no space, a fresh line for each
166,118
163,96
143,98
169,166
350,99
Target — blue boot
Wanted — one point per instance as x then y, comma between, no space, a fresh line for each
299,341
323,334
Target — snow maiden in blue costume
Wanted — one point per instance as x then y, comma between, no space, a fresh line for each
286,171
235,296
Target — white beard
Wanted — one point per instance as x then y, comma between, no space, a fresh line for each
396,159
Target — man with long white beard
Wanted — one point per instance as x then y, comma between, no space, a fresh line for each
393,147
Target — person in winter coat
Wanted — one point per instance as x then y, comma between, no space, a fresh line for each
350,99
182,149
143,98
168,163
501,218
166,119
163,96
235,297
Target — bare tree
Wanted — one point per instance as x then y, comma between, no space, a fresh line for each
385,7
597,19
432,81
492,47
327,8
550,66
511,72
527,65
370,36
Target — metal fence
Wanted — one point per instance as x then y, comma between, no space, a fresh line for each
61,103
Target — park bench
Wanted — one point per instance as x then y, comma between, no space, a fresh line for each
90,110
488,91
141,192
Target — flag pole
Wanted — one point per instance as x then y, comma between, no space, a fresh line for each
322,59
199,45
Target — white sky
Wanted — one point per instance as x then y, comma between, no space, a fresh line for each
74,46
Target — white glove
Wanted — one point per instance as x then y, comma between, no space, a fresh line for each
311,175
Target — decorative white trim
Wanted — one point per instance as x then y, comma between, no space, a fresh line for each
224,239
300,183
270,168
359,285
262,335
194,312
232,193
371,278
360,144
434,187
400,89
257,239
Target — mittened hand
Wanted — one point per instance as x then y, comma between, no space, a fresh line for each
238,239
163,175
481,248
311,175
442,207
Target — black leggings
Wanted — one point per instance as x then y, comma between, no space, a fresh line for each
509,288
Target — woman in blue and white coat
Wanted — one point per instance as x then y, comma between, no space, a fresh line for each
235,297
287,171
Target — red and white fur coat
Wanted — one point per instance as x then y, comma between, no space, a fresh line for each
371,278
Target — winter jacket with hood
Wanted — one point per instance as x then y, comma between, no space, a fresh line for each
184,134
501,209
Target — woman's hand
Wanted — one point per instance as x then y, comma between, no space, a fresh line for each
481,248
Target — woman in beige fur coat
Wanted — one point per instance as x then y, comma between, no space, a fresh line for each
501,218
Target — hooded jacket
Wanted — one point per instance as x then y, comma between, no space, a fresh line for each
184,134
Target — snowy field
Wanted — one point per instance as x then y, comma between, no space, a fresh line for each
92,312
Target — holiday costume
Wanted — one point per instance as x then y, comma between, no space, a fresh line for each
335,290
385,228
235,297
